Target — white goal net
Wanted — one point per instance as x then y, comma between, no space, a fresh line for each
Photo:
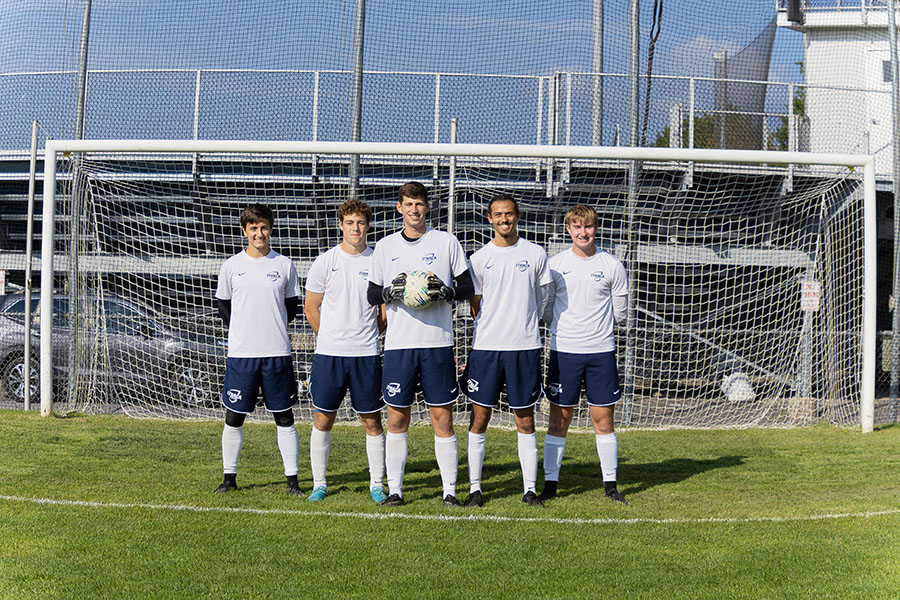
748,274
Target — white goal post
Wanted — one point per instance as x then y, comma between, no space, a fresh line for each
680,237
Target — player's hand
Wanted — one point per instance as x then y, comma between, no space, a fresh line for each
395,290
437,290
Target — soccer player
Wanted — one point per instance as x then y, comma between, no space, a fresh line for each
418,343
588,296
511,278
347,353
257,298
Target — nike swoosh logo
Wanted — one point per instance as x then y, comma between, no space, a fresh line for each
333,269
566,272
488,266
395,258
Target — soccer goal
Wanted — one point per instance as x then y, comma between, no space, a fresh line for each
752,273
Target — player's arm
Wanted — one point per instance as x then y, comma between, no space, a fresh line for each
224,308
475,305
620,309
290,306
619,293
376,294
463,287
381,318
312,309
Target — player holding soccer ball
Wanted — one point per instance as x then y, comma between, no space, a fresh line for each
418,344
588,296
347,353
257,298
511,278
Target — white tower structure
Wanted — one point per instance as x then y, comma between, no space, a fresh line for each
846,64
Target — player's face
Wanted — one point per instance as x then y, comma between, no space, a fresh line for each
258,236
354,228
504,218
583,235
413,211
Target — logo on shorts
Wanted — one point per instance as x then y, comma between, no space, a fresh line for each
429,258
597,276
522,265
273,275
554,389
392,389
473,385
364,273
233,395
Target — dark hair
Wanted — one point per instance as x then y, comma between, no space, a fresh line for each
413,189
501,197
256,213
355,206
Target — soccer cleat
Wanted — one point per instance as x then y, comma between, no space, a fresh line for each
547,494
450,500
614,494
475,499
294,489
226,486
378,495
393,500
531,499
317,494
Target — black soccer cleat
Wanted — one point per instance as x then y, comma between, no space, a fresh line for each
294,490
531,499
393,500
615,495
474,500
548,492
450,501
226,486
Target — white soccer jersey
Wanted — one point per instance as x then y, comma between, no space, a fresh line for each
348,325
436,251
583,288
257,288
509,280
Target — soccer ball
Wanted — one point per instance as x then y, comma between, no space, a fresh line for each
415,294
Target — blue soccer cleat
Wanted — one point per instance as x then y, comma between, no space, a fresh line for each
317,494
378,495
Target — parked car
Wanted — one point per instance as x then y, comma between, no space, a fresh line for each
133,348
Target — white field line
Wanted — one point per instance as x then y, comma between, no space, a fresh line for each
442,518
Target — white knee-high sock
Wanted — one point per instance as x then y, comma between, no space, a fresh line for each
289,445
608,451
475,453
232,442
375,454
528,459
319,448
447,456
396,449
554,447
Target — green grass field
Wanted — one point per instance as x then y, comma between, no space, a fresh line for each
110,507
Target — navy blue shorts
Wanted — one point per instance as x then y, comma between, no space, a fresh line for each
245,376
332,376
434,368
487,370
566,373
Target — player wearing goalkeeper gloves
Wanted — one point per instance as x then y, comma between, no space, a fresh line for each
418,343
257,297
347,353
588,296
511,278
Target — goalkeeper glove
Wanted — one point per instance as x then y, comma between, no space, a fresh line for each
395,290
437,290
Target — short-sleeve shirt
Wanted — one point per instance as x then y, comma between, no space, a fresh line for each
583,316
257,288
348,325
509,280
436,251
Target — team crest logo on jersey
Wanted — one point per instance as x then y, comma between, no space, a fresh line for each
234,395
554,389
273,275
392,389
472,384
522,265
597,276
429,258
364,273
